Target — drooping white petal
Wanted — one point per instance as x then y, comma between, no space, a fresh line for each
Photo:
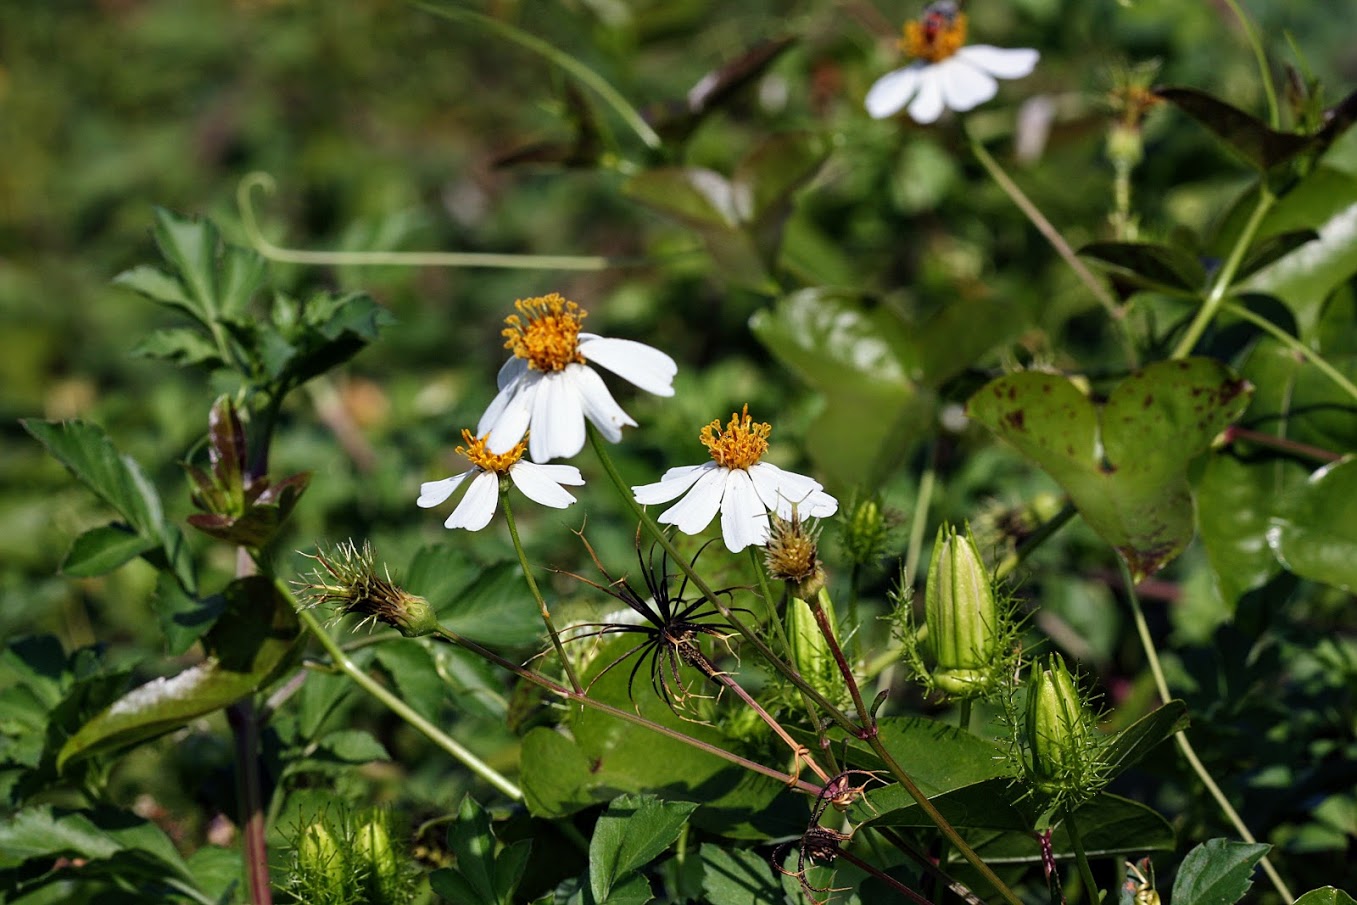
672,484
779,489
507,418
1000,62
478,505
893,90
431,493
539,483
695,511
557,430
744,520
510,371
599,405
927,105
645,366
964,86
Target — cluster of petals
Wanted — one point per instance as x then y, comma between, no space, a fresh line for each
946,74
542,484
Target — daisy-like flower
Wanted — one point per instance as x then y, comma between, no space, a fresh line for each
945,74
539,483
737,483
547,389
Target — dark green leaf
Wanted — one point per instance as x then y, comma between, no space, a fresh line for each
1327,895
1127,747
1314,532
1243,133
556,778
766,179
183,617
181,345
87,453
1273,248
47,833
101,550
351,746
333,328
412,668
1109,825
485,605
509,868
474,880
1235,502
191,247
630,834
1124,465
940,757
716,88
1148,266
736,876
1217,872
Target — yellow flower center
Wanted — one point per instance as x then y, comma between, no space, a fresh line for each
935,37
741,444
484,459
546,331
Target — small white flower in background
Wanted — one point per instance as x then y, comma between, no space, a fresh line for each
539,483
738,484
945,74
547,389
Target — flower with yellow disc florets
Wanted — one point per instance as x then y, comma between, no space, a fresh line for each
548,388
736,482
947,74
539,483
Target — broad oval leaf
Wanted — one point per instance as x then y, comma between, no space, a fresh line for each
1326,895
1124,464
1314,533
1217,872
1127,747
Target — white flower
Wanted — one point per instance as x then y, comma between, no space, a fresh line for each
547,389
946,74
737,483
539,483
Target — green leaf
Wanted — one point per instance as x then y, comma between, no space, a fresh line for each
412,668
1109,825
630,834
181,345
333,329
1273,248
101,550
484,604
1128,746
1314,532
555,775
1326,895
351,746
113,842
941,758
1325,201
160,287
860,358
1124,465
183,617
190,246
90,456
1235,502
479,877
248,646
1161,268
1243,133
1217,872
735,876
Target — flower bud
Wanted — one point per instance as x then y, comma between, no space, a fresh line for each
865,530
320,873
810,651
964,634
373,849
1125,145
1061,739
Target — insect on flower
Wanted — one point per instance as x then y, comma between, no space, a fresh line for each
670,630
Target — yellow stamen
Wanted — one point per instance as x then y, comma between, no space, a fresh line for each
484,459
934,42
741,445
547,334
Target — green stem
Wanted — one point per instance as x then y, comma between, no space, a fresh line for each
919,523
1185,746
1295,345
565,61
1216,296
1062,248
250,226
1080,858
396,705
532,586
864,731
1264,71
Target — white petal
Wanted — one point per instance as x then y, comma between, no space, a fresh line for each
744,520
510,371
432,493
539,485
510,417
646,367
779,489
893,90
599,405
695,511
674,482
1000,62
476,508
964,86
818,505
927,105
557,423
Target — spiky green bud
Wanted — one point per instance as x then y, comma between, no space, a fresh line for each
1063,744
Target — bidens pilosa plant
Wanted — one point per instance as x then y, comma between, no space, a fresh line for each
854,305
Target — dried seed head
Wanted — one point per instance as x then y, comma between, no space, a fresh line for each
347,580
792,555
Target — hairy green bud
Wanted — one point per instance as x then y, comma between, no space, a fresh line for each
1064,747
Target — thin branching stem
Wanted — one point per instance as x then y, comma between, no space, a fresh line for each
1080,858
1274,113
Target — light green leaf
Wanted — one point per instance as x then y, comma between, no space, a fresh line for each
1314,532
101,550
1217,872
736,876
181,345
191,247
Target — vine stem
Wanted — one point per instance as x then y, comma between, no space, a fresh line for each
243,718
1044,226
890,881
359,677
249,224
864,731
1221,285
532,586
920,521
1180,737
1264,71
1080,857
1295,345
